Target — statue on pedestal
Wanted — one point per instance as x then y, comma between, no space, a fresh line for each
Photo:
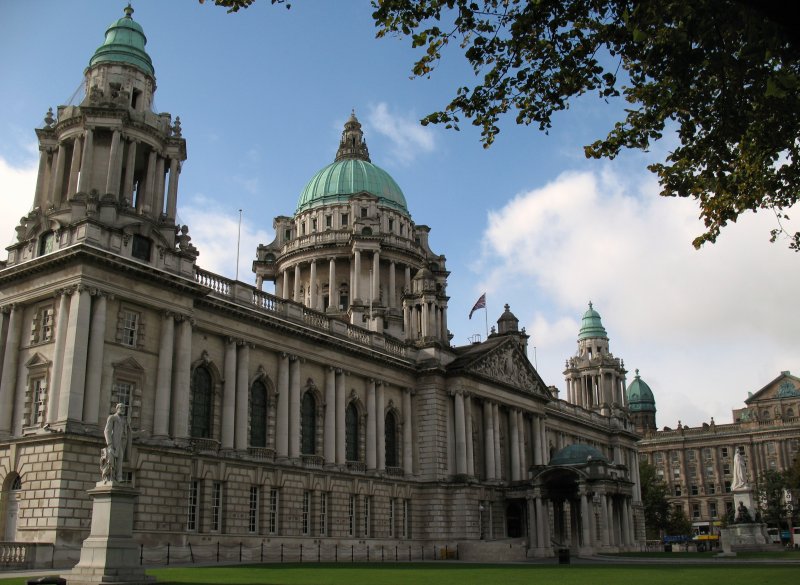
118,440
739,472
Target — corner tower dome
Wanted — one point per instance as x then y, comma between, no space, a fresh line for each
640,397
351,173
125,43
591,326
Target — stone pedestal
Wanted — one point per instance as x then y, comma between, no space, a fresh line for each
109,554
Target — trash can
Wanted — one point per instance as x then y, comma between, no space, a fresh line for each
563,556
667,548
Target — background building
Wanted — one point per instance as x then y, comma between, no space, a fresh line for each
333,411
697,463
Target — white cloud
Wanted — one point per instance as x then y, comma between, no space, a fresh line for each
214,230
704,326
408,137
17,187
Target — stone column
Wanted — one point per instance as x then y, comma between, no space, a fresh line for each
408,445
312,287
543,442
341,457
86,161
461,433
380,423
392,285
229,395
164,376
285,284
75,166
172,190
127,181
181,390
513,444
8,382
296,292
242,396
282,424
150,201
58,178
376,277
603,536
333,293
407,279
354,289
371,426
62,318
540,522
611,526
73,374
498,454
294,407
585,519
468,432
537,434
523,463
626,523
488,440
114,166
158,182
40,195
425,320
94,374
329,446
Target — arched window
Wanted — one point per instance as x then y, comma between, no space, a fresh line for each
308,426
390,430
351,432
258,414
17,484
202,403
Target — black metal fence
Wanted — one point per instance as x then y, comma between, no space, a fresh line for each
269,552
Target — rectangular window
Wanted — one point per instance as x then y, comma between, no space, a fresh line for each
367,502
121,393
676,472
194,496
691,454
323,514
723,451
351,516
313,225
660,474
306,512
328,221
678,490
344,220
694,490
770,448
42,325
38,401
693,471
695,511
363,212
712,488
216,506
706,452
391,518
676,456
273,511
658,458
391,225
726,469
252,522
712,509
709,470
727,487
129,328
287,235
406,520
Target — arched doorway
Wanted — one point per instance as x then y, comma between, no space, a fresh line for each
12,509
515,518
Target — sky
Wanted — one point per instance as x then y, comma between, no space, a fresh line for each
263,96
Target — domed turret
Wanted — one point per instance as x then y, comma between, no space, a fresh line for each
351,173
591,326
641,404
124,43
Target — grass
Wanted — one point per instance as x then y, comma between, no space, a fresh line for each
472,574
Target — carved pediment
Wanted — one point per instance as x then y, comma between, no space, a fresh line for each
507,364
37,361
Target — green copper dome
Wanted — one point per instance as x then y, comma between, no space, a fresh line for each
124,43
640,397
577,454
351,173
591,326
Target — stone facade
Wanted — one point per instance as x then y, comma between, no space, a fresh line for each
335,410
697,463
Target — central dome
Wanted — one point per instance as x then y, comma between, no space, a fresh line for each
125,43
350,174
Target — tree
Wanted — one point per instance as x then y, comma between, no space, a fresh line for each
654,500
679,524
722,76
770,490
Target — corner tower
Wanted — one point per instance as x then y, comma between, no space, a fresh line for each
642,405
352,250
595,378
109,167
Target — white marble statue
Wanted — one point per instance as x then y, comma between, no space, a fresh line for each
118,439
739,472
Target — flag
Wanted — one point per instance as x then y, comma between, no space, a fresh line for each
479,304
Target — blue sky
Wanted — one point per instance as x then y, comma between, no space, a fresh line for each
263,95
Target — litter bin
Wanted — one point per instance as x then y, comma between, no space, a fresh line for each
563,556
667,548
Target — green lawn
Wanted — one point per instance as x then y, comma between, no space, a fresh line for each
473,574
